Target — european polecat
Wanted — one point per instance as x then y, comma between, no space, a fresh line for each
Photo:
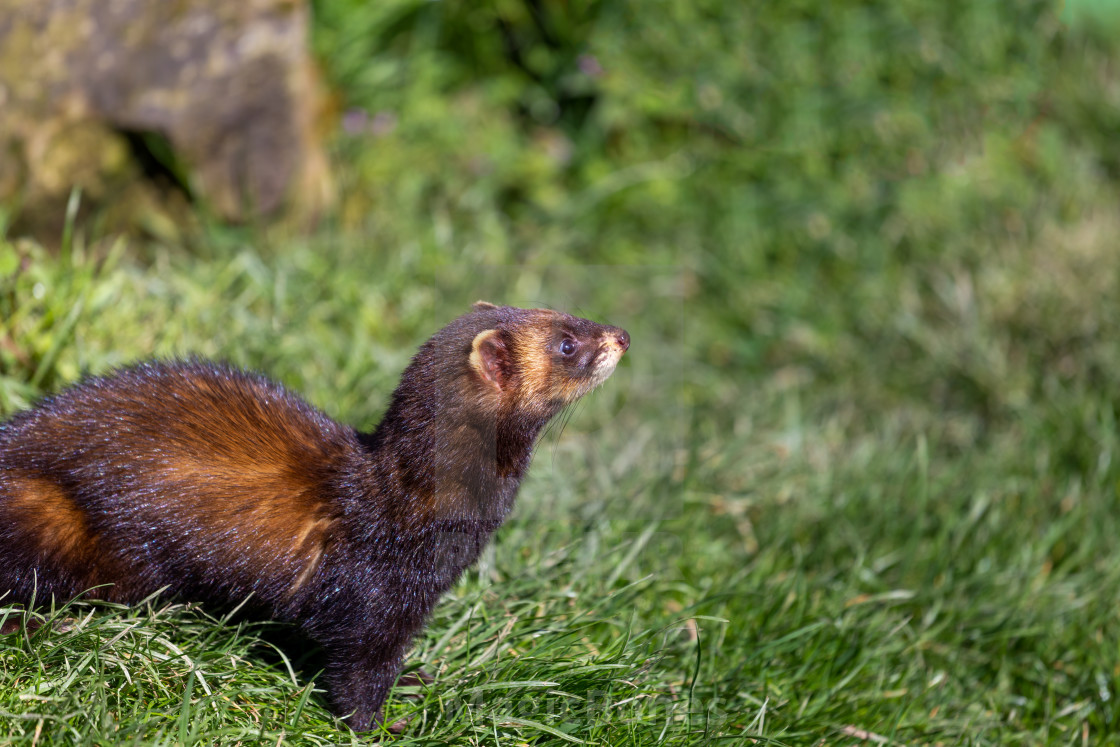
216,484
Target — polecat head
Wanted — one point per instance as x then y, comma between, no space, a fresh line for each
538,361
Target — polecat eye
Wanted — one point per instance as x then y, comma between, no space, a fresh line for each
567,347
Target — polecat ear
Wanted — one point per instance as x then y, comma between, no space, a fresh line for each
482,306
490,357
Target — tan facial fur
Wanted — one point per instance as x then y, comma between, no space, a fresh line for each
606,364
541,378
534,363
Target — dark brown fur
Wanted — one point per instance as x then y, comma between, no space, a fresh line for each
218,484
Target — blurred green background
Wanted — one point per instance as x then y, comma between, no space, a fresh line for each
856,481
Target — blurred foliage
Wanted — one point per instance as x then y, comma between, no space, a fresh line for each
820,169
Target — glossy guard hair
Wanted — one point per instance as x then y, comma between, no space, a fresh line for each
215,484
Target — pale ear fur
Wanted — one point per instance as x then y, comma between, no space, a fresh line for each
488,354
482,306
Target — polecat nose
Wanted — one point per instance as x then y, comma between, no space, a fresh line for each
623,338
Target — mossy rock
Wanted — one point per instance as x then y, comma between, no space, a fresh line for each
230,87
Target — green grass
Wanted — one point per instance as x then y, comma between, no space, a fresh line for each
857,480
